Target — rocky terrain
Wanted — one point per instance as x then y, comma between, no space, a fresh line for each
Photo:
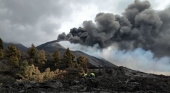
107,80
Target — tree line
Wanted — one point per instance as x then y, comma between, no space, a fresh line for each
16,59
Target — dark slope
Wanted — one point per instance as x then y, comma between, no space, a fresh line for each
50,47
93,60
18,45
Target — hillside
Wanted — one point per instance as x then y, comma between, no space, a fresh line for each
18,45
50,47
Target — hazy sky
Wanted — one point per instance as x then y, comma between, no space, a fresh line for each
39,21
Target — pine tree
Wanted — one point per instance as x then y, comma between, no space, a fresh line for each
32,51
83,62
24,66
1,48
12,51
31,61
56,57
68,57
1,53
41,57
13,61
19,54
1,44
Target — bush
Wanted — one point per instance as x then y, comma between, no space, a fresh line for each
33,73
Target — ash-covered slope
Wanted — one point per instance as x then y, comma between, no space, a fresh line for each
50,47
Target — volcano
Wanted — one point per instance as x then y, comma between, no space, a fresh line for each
51,46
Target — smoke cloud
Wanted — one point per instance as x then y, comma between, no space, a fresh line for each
139,27
138,59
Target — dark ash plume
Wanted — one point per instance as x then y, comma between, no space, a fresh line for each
139,27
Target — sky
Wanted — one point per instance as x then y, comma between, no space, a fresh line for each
40,21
